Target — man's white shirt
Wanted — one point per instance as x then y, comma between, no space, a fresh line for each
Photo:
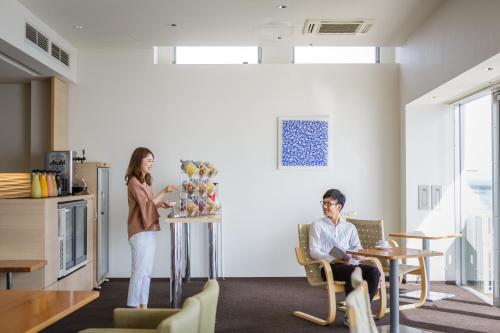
324,235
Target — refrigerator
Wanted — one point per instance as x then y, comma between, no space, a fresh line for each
96,176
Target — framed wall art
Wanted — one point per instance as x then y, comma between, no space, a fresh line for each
304,143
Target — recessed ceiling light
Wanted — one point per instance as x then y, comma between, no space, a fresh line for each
490,68
282,6
433,97
173,25
79,27
279,37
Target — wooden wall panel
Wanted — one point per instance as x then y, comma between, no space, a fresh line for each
59,115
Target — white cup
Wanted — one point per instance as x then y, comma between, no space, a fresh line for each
382,244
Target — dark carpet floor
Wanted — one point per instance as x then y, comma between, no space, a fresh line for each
266,305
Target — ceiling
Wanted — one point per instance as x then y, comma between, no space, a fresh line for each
147,23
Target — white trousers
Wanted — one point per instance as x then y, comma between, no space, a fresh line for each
143,245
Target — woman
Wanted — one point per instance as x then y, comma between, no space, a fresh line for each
143,223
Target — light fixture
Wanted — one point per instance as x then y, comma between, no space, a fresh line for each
173,25
490,68
79,27
279,37
282,6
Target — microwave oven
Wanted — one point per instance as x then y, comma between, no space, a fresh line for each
72,225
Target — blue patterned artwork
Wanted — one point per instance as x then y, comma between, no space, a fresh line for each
304,142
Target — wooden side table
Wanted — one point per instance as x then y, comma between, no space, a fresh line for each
393,254
31,311
176,242
10,266
430,295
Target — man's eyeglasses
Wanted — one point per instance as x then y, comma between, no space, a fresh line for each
328,203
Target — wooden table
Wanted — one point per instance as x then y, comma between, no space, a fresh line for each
393,254
9,266
425,237
34,310
176,255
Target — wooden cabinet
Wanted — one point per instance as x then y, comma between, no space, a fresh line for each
59,114
29,230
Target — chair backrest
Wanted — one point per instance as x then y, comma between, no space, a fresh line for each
369,231
359,307
185,321
313,272
208,301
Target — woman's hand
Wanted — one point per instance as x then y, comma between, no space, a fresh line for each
164,204
169,188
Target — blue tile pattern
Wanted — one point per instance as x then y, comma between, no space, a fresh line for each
304,143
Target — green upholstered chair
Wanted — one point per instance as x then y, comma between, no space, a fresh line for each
358,306
313,275
208,300
185,320
196,316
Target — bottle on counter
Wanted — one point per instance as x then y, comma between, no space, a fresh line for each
54,183
36,191
43,184
50,188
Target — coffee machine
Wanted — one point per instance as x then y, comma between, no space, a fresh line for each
62,163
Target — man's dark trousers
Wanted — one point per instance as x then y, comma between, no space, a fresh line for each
342,272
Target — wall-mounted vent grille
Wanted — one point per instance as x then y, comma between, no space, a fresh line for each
37,38
59,54
336,27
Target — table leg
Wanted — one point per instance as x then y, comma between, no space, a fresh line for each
213,246
9,280
429,295
175,265
394,295
187,242
425,246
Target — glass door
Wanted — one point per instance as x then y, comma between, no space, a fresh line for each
476,195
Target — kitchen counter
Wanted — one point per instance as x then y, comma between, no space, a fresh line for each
52,199
29,230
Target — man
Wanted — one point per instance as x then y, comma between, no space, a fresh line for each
333,231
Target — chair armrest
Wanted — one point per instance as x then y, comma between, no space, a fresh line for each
140,318
116,330
376,262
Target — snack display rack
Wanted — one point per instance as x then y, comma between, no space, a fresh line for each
198,191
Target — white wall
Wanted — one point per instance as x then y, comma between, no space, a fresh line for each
227,114
14,127
430,161
13,16
459,35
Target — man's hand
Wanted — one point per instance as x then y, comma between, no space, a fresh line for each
358,257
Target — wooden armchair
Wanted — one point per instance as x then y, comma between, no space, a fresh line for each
371,231
313,275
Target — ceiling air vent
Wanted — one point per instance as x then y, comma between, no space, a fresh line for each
37,38
336,27
59,54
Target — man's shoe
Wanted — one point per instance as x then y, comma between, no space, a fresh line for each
346,320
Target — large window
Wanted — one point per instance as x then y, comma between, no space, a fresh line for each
476,195
335,55
216,55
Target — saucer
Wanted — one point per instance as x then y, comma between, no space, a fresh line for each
382,247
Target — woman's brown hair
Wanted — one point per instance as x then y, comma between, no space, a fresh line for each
134,167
